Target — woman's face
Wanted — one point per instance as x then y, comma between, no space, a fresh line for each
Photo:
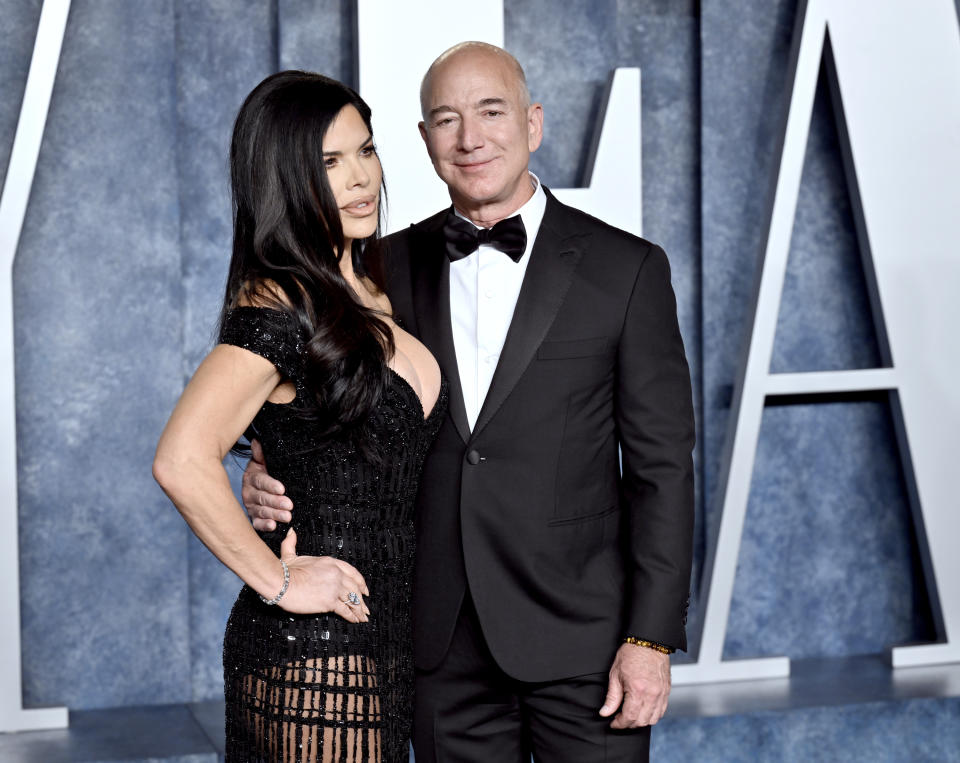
354,174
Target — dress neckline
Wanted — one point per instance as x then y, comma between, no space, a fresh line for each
409,387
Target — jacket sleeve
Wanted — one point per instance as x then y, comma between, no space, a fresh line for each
654,414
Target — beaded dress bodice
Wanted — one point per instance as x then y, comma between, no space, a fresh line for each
316,687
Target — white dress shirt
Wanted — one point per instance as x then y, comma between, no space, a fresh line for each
484,287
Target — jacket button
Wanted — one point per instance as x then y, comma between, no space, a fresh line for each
473,458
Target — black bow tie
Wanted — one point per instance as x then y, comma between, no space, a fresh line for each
463,237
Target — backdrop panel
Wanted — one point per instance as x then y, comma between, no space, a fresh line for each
826,476
122,263
98,330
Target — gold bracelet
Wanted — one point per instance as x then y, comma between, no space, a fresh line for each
649,645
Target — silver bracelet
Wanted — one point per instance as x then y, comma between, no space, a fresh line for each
283,588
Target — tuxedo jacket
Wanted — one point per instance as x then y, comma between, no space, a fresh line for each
563,555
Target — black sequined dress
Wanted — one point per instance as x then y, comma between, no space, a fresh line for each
316,687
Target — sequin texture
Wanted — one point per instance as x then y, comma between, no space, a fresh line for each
316,687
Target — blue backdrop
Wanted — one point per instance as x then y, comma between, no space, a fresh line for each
123,256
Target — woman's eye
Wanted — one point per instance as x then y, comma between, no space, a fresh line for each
329,163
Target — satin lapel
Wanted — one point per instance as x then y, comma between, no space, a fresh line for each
553,259
430,271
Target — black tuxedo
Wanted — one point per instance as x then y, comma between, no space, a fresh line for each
562,556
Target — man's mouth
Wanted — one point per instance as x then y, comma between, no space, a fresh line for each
473,166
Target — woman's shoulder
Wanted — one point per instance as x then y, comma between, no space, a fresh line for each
264,322
263,303
262,293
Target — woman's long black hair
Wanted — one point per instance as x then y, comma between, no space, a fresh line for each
287,236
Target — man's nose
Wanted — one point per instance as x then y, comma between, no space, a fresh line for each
470,136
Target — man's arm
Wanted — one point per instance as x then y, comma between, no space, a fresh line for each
654,414
263,496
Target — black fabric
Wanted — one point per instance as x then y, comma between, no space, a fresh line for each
564,556
464,238
311,688
467,710
269,333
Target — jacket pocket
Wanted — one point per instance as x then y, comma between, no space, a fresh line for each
569,520
577,348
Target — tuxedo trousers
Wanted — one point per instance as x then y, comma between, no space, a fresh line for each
467,710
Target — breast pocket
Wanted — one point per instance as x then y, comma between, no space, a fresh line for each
576,348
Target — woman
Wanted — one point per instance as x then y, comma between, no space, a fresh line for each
317,659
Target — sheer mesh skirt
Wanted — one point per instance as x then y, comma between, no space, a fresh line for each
323,701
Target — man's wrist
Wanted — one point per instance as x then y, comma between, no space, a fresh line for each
655,645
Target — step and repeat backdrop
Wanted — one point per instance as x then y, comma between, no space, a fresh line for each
798,161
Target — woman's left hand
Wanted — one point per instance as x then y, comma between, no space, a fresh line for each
322,584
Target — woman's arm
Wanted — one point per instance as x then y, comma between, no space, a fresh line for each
218,404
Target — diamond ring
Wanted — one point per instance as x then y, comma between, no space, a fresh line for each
353,599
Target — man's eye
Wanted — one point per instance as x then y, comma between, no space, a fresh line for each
443,121
493,113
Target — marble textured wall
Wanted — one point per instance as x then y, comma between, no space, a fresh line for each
124,252
98,314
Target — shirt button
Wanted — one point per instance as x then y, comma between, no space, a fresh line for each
488,294
491,360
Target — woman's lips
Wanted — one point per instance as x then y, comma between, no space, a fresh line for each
361,207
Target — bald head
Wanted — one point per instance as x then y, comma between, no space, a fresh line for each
479,128
480,54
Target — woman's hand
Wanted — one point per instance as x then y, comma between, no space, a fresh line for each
322,584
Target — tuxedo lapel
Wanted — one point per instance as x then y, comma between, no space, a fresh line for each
430,272
553,259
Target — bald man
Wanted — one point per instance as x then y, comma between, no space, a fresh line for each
550,587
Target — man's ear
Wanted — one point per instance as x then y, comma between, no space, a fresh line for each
423,134
534,126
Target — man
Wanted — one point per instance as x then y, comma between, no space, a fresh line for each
549,589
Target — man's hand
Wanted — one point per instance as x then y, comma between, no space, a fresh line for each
640,678
262,495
